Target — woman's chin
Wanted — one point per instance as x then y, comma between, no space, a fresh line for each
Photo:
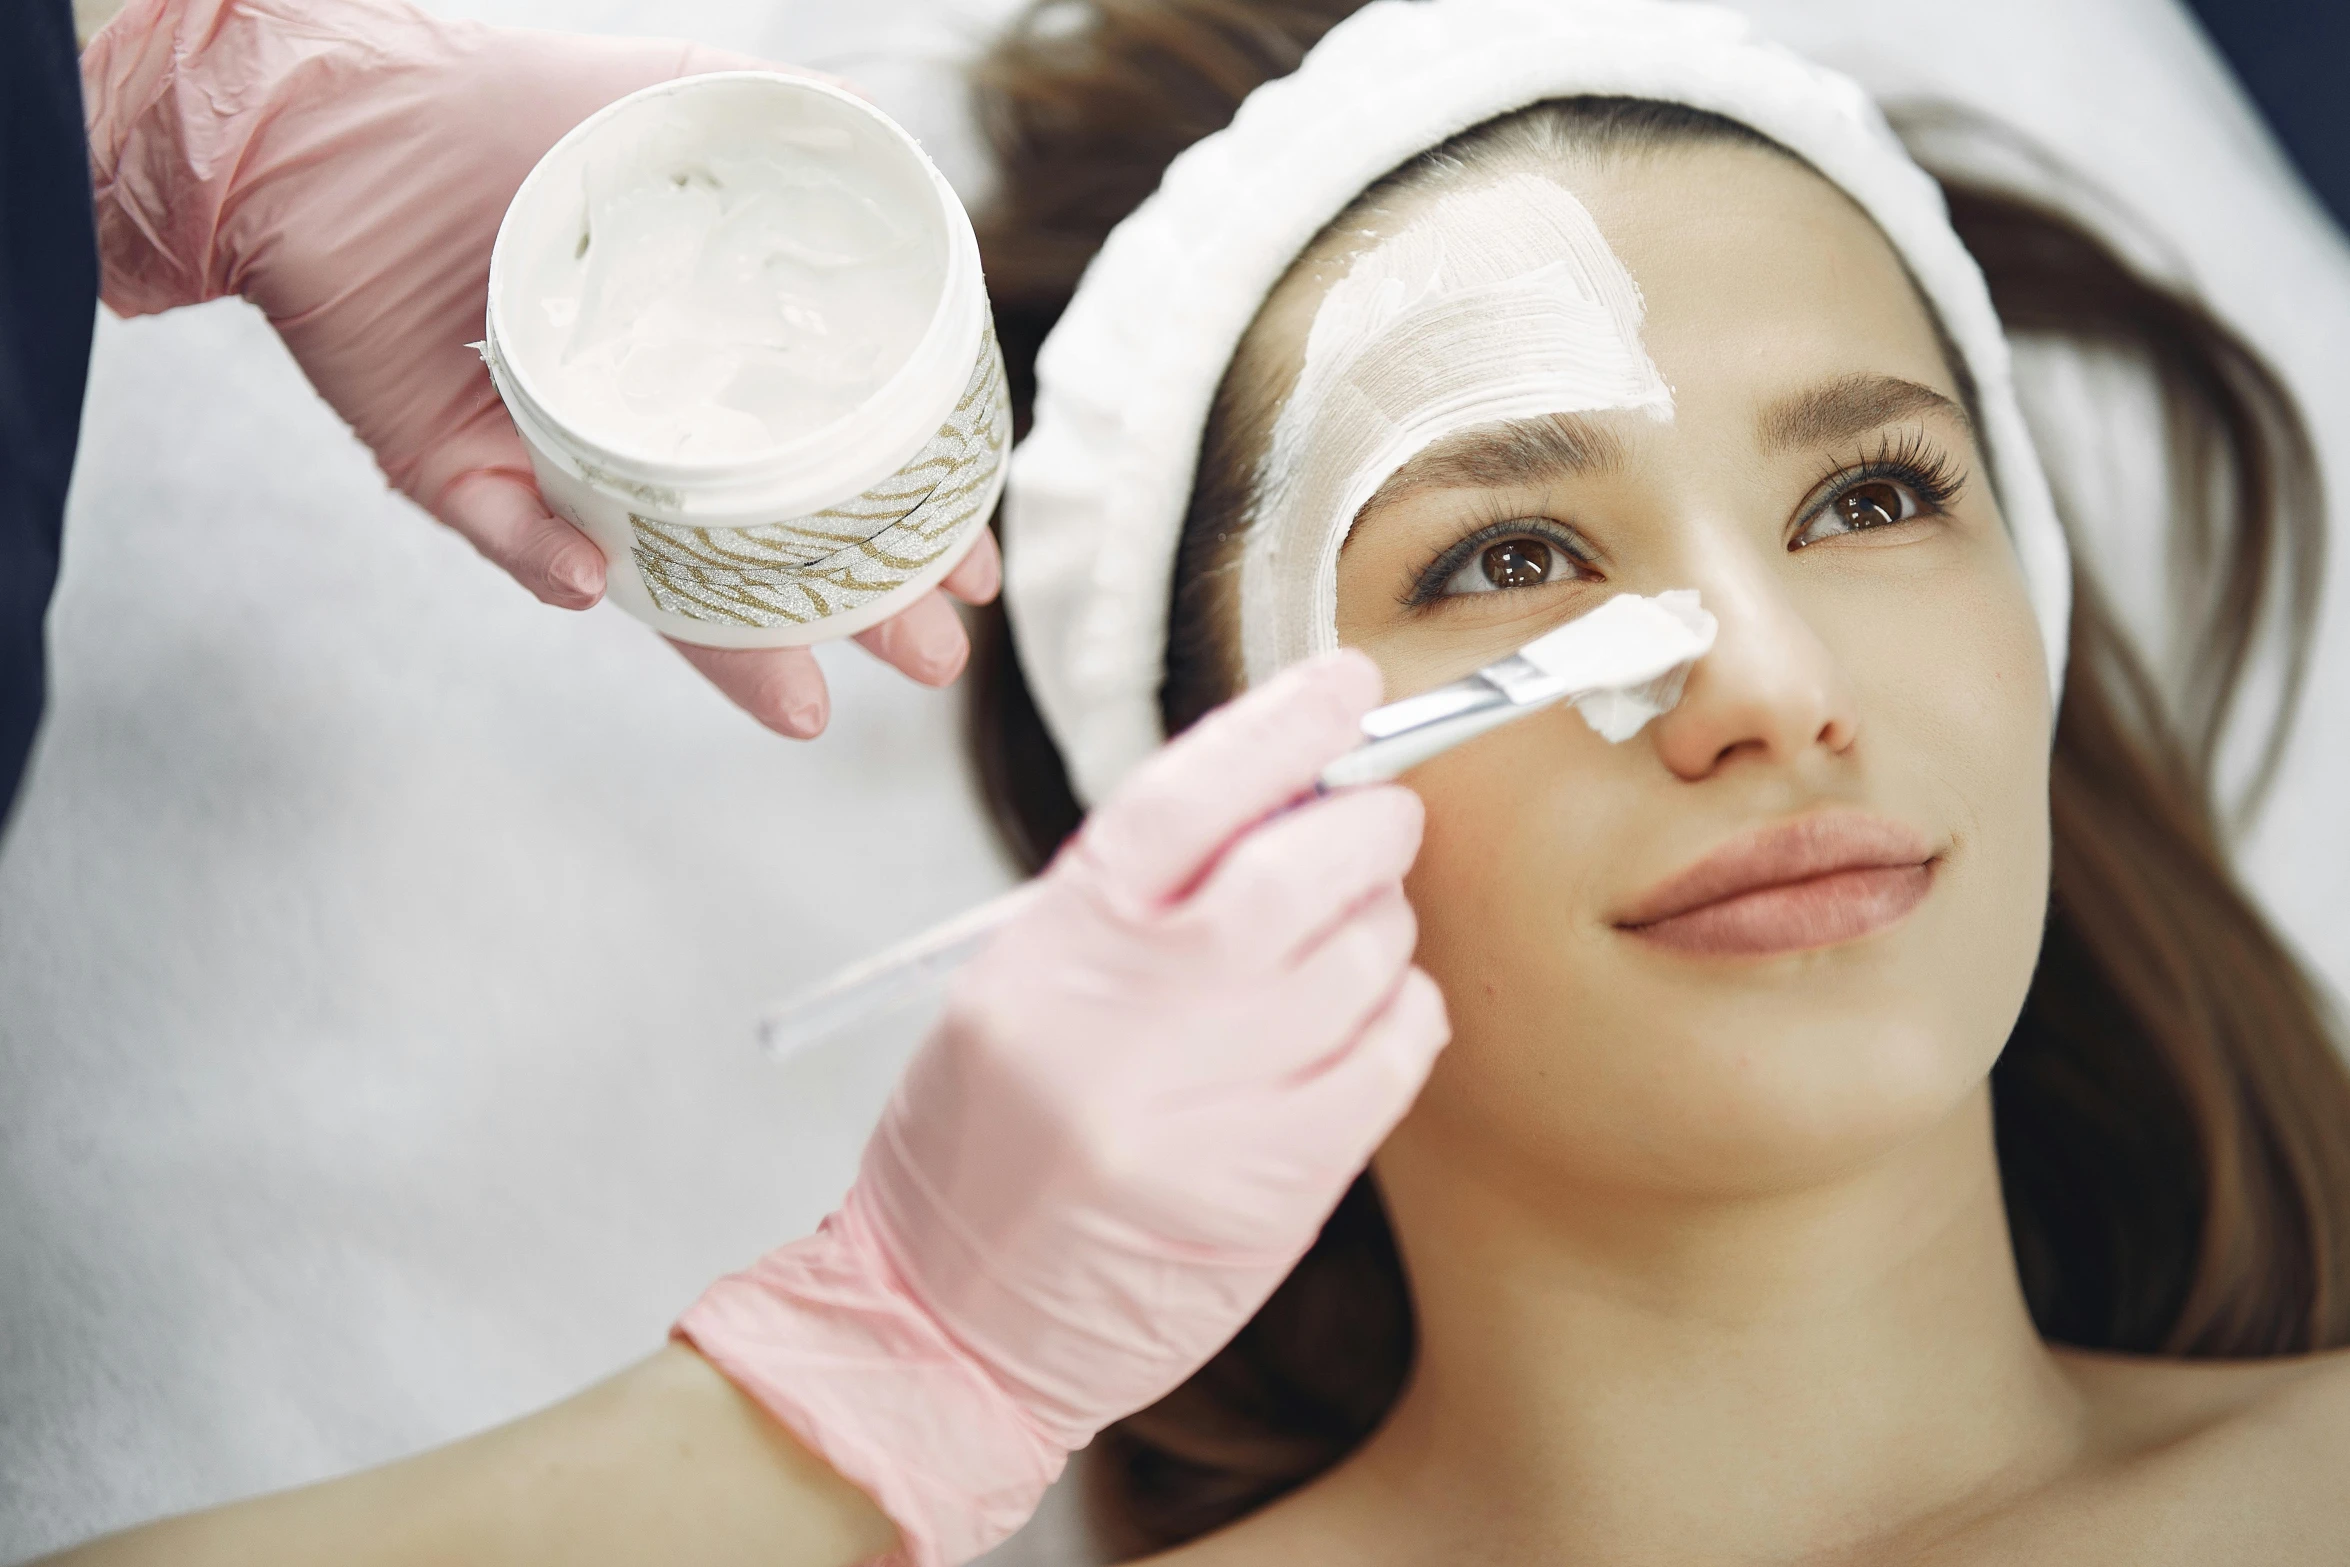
1726,1091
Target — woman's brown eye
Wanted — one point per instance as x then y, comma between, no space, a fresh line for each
1871,505
1517,563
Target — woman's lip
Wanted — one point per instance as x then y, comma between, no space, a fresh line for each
1812,882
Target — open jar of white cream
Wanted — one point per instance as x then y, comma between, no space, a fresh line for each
739,323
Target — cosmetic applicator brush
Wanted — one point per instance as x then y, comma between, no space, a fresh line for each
1622,664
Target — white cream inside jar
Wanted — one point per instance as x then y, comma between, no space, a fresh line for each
735,280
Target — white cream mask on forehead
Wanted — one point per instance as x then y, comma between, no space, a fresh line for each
1499,302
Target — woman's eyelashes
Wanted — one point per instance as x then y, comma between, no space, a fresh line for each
1907,477
1503,557
1902,482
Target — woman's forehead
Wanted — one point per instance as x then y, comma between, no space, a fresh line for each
1765,264
1717,237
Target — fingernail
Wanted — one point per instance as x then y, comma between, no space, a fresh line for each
939,648
991,579
577,574
804,719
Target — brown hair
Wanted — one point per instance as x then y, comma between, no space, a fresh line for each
2173,1120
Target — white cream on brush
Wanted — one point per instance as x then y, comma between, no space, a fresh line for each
1621,665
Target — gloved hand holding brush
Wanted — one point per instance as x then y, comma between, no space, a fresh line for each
1145,1096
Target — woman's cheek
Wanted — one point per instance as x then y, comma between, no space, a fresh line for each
1508,853
1967,702
1504,891
1956,715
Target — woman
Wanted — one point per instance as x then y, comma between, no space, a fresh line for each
1704,1241
1715,1247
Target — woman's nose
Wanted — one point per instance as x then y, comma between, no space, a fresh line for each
1769,691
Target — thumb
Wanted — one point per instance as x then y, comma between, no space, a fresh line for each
500,514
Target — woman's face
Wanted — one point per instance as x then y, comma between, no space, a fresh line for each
1877,700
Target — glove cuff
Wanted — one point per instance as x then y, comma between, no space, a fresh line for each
823,1335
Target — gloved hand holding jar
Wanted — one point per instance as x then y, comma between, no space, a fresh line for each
344,165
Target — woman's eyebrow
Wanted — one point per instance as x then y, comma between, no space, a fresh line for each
1852,405
1508,454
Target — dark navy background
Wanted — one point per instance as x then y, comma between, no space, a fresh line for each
48,304
2292,55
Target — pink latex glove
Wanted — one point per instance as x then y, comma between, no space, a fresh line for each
344,165
1144,1098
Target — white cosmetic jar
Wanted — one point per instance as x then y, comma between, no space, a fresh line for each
827,528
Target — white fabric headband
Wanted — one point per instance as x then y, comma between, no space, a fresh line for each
1097,494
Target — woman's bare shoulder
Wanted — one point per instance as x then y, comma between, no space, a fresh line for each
2198,1462
2190,1462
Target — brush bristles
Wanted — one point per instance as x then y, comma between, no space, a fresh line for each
1626,643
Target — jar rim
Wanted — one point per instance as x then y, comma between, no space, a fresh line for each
665,483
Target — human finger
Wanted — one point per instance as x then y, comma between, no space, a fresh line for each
782,687
1282,889
1321,1004
500,514
1315,1129
979,574
1158,830
1358,1093
1350,976
925,641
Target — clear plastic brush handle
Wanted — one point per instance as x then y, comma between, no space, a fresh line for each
1395,737
899,976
